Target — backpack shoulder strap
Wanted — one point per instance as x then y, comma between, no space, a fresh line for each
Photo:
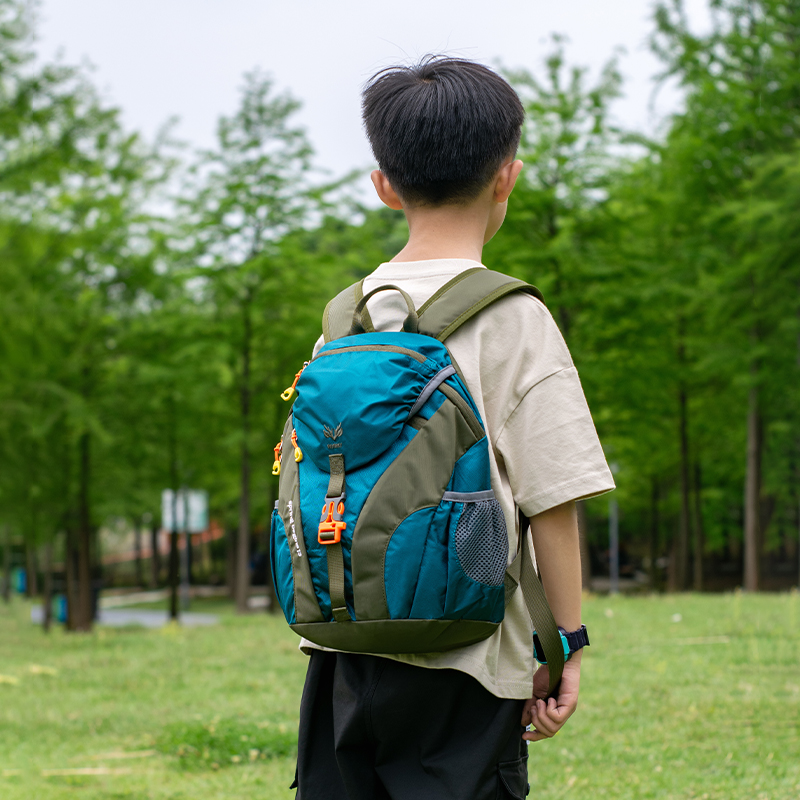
338,315
522,573
464,296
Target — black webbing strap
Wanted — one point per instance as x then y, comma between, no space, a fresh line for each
539,609
334,551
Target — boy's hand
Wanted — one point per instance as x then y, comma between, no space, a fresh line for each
548,717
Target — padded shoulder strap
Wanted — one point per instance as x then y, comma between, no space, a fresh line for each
338,315
464,296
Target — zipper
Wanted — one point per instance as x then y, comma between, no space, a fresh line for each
383,348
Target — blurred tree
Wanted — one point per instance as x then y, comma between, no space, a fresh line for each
253,190
743,95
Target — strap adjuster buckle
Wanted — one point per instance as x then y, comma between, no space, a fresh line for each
332,522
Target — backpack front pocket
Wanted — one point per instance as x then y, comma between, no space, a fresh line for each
478,555
449,561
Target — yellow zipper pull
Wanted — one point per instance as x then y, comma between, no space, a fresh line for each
298,453
287,394
276,466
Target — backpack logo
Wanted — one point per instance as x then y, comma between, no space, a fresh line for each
331,433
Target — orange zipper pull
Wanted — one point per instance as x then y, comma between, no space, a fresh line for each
298,453
276,467
287,394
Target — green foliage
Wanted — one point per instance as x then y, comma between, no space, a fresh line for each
143,349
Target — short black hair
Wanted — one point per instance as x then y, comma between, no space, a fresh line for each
440,129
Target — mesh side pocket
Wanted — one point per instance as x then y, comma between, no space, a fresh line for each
482,542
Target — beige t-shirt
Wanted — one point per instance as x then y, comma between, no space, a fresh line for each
543,446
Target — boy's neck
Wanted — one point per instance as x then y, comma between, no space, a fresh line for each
445,232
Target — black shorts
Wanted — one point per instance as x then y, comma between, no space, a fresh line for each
376,729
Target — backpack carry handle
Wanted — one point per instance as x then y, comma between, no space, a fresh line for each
411,323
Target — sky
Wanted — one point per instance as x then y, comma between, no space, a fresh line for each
158,59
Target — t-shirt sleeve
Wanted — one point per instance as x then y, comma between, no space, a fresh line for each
550,446
539,422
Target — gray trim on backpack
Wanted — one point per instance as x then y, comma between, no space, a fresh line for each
432,385
468,497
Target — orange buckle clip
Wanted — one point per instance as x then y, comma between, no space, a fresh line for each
332,521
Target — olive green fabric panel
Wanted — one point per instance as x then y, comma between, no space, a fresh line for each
446,287
464,407
305,601
465,298
416,479
338,315
397,635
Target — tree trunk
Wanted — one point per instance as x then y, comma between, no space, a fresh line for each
173,573
699,530
47,594
243,542
583,534
83,618
173,577
243,537
155,557
654,531
70,590
752,491
230,561
31,569
6,578
672,578
137,547
797,509
682,545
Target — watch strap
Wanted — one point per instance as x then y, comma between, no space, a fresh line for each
576,639
572,641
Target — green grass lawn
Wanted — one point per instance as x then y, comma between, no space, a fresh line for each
683,696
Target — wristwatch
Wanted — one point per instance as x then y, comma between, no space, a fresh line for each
572,642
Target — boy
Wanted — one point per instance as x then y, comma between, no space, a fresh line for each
451,725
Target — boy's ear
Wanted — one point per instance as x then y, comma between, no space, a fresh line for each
387,194
506,178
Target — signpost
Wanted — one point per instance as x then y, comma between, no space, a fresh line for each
185,511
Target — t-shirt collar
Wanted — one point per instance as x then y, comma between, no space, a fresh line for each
424,269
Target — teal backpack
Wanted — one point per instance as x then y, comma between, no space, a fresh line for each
387,536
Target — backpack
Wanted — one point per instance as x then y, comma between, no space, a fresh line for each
386,536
